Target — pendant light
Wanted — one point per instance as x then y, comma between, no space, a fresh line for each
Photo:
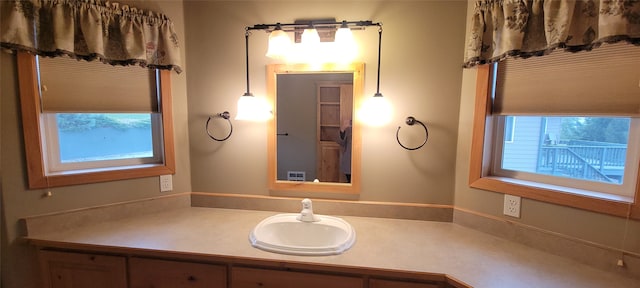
376,111
249,107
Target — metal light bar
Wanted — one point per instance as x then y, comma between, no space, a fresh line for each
318,24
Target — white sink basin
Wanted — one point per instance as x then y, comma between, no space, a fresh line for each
283,233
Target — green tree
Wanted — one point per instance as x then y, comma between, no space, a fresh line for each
77,122
600,129
571,128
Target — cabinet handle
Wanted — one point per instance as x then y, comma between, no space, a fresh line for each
192,279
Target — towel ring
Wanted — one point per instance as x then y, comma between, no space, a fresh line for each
225,115
410,121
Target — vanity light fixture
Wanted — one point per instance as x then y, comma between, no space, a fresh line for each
256,109
376,111
312,33
250,107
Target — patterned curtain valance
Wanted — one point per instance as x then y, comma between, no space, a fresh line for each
524,28
90,29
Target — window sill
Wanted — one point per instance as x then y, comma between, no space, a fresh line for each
103,169
567,190
582,199
84,177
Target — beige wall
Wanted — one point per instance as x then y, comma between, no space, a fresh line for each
421,75
589,226
19,201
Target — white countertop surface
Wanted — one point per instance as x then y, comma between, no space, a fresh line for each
478,259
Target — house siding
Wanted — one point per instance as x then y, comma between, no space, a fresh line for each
522,153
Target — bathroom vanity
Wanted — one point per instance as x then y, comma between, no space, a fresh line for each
96,269
130,253
184,246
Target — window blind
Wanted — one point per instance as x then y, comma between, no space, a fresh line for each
69,85
604,81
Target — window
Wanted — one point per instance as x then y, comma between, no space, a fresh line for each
577,134
587,153
114,124
77,141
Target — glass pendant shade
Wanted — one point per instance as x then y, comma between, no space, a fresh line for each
375,111
344,36
252,108
310,37
279,44
309,48
345,45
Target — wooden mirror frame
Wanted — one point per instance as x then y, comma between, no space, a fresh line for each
323,187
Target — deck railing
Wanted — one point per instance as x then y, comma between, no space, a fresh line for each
599,163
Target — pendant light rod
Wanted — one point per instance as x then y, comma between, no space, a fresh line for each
318,24
379,49
246,50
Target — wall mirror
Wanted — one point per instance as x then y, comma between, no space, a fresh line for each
308,138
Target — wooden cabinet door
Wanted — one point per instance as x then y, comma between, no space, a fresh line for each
156,273
262,278
329,160
379,283
346,102
335,105
78,270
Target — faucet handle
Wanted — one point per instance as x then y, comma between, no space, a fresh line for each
306,203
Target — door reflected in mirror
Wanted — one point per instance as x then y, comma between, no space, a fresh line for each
314,144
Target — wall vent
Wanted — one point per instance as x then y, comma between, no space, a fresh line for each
296,175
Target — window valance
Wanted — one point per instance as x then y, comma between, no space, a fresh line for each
524,28
90,29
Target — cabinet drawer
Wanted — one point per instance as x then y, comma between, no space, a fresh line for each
263,278
379,283
156,273
79,270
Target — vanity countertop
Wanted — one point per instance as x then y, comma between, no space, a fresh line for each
478,259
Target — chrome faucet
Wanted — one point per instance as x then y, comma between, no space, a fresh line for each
306,215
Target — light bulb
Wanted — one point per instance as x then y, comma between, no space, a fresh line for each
375,111
344,35
310,37
252,108
344,45
279,44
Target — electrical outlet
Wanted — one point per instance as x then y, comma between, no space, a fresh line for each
511,206
166,183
